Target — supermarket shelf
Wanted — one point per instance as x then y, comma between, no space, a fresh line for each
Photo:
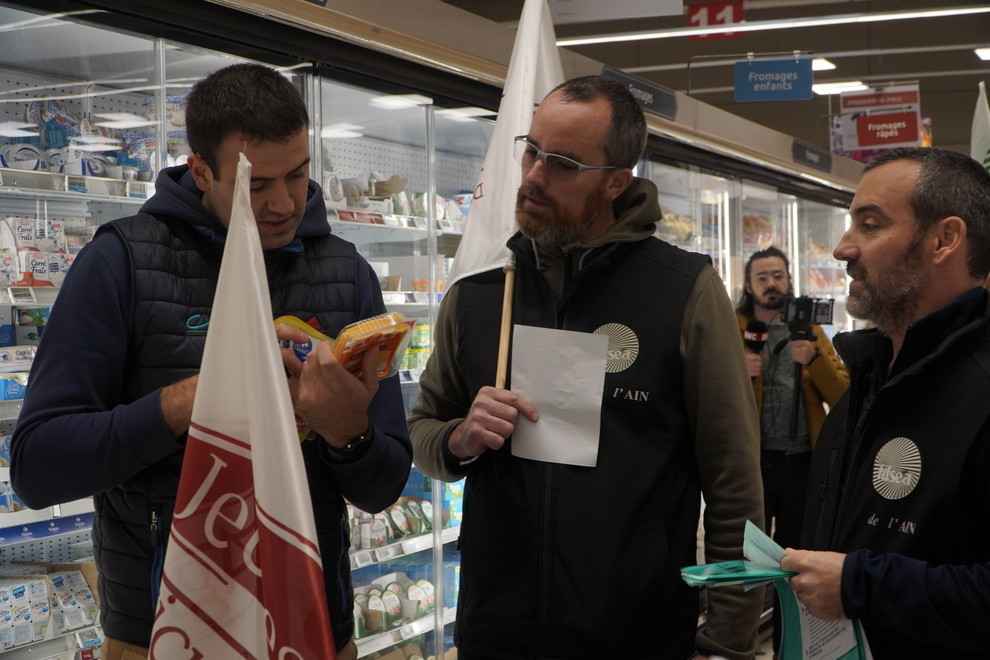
67,186
32,525
57,646
407,546
421,626
381,228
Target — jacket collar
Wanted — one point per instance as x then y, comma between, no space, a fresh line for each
924,341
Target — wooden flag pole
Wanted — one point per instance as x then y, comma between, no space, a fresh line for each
504,336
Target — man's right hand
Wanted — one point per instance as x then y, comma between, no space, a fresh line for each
491,419
754,364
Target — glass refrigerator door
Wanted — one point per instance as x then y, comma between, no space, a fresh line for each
398,176
698,210
821,275
766,219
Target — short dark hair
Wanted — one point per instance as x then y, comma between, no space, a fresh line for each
949,184
626,136
249,99
745,306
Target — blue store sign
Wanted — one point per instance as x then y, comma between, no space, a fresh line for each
773,80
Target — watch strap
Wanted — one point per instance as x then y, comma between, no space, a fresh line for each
355,447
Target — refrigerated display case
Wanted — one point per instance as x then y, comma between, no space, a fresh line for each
730,211
397,170
398,141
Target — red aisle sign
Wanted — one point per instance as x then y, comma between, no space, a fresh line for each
888,129
707,14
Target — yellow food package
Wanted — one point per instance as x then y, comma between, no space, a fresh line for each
390,331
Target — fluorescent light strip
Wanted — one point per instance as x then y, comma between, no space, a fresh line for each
730,60
825,89
755,26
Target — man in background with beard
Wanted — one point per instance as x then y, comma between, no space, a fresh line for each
567,561
898,500
786,362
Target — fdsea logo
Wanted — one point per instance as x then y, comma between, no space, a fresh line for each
897,469
623,346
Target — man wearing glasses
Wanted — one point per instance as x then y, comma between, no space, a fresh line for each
576,561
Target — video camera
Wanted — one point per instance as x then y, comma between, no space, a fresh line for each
800,313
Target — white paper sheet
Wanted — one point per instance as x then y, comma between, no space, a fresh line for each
562,373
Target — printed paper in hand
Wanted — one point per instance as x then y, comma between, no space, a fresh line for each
562,374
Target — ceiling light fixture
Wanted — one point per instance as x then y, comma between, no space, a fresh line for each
341,130
465,114
755,26
825,89
821,64
982,53
123,120
16,129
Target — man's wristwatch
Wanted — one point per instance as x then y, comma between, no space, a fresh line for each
355,447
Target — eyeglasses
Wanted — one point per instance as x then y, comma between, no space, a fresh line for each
765,278
557,167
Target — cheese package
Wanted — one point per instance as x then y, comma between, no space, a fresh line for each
389,331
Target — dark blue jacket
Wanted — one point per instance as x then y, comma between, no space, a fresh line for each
898,481
92,424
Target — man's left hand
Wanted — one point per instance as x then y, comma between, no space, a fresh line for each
332,400
803,351
818,581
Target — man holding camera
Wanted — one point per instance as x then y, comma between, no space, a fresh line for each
796,374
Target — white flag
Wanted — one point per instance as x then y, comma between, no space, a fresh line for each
242,575
979,147
533,71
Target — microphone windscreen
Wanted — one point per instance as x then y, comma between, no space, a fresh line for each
755,336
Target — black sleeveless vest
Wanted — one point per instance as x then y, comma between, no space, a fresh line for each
174,275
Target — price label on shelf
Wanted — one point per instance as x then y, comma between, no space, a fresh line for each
137,189
411,630
361,559
410,546
388,552
21,294
76,184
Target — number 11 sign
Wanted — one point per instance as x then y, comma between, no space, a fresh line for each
713,14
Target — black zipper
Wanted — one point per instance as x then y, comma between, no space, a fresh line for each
823,497
545,564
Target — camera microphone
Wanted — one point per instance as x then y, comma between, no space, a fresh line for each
756,335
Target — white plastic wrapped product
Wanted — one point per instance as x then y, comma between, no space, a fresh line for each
49,235
57,267
22,232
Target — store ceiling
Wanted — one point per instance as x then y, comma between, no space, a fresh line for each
935,53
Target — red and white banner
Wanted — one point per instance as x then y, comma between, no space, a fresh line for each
979,146
534,69
242,575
